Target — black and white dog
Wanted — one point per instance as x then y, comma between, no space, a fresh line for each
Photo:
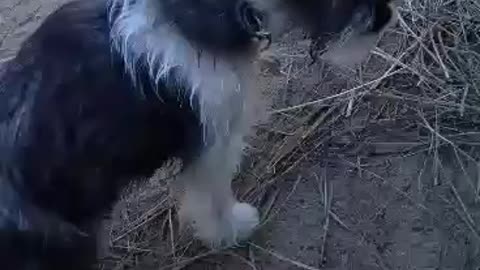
106,91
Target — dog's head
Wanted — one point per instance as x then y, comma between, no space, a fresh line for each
349,28
231,25
326,17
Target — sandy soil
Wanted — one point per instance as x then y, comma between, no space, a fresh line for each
383,210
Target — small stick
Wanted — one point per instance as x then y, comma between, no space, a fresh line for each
327,206
283,258
347,92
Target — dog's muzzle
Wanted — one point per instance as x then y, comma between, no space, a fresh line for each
253,22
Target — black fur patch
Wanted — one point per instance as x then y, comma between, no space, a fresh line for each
75,131
218,25
382,15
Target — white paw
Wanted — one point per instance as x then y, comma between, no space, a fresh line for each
244,220
220,231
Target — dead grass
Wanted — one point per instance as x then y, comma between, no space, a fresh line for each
423,80
424,77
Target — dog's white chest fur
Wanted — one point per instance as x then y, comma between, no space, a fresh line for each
223,86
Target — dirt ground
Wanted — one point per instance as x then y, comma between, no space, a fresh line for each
345,184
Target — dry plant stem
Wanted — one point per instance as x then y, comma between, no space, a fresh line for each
462,217
184,263
292,142
270,205
298,161
172,235
398,62
280,173
438,57
328,198
420,175
436,159
342,94
464,207
319,121
287,199
395,64
283,258
412,33
251,255
151,214
477,191
424,102
455,148
185,249
333,215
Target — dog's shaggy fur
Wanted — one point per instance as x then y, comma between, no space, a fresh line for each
105,92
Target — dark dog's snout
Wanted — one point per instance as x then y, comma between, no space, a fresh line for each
382,15
253,21
250,18
373,16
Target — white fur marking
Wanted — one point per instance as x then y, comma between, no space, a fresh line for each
227,99
220,88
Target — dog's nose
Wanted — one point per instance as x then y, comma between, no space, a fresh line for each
383,13
252,21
